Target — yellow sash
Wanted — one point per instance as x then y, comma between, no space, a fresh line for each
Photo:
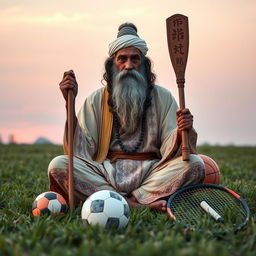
106,124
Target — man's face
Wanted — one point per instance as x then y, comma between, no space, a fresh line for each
128,59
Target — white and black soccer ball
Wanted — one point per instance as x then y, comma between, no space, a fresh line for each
106,209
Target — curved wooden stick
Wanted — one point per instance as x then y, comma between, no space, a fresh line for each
70,149
178,42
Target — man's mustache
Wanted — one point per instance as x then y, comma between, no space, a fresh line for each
128,73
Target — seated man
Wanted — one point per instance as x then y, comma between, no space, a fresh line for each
127,134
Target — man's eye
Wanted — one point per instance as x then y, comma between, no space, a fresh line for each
121,58
135,58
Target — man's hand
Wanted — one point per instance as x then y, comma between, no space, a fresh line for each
184,119
68,82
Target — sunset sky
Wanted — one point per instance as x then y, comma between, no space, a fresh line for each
39,40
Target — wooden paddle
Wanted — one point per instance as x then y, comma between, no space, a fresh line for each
178,42
70,149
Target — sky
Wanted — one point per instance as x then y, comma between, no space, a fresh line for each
40,40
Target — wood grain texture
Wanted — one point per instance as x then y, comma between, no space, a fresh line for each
178,45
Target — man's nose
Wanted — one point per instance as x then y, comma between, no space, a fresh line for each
129,65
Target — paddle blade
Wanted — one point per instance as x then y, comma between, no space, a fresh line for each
178,43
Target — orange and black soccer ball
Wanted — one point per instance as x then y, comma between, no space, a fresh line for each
49,203
212,171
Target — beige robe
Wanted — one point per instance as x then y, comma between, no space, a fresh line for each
161,133
147,180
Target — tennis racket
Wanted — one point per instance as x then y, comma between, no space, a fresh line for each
207,206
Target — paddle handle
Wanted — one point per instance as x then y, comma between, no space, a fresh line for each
184,134
70,149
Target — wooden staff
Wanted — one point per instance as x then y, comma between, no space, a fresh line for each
178,42
70,149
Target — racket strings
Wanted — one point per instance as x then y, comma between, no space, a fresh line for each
186,206
224,203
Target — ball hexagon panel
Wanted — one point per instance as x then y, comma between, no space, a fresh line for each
61,199
40,196
54,206
86,209
98,218
102,194
113,207
124,201
34,205
42,203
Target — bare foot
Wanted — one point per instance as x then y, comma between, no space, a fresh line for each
159,205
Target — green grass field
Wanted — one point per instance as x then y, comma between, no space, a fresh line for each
23,176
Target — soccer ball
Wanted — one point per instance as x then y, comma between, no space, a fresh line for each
49,202
106,209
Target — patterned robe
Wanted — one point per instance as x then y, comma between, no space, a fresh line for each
147,180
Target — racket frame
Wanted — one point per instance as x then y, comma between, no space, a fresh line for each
213,186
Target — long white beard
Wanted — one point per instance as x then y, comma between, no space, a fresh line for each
129,94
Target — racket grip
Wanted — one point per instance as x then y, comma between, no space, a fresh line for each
211,211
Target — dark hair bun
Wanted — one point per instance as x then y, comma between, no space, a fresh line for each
127,28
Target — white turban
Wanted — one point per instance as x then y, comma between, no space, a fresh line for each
128,40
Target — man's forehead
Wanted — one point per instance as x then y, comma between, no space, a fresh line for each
128,51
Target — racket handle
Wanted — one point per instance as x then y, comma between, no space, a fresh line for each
211,211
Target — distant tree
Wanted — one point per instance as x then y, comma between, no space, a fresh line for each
1,141
12,139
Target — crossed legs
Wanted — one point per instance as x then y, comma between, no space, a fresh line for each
158,185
